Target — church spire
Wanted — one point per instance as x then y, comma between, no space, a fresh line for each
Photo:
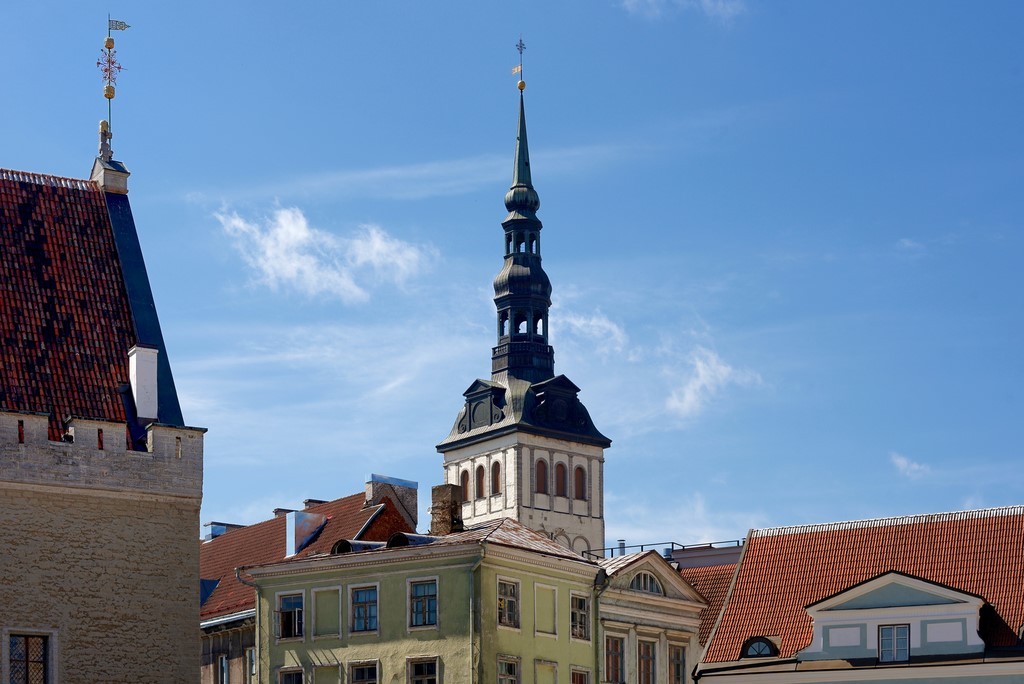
522,291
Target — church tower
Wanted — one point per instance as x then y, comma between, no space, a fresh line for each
523,445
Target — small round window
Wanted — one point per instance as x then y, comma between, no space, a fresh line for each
758,647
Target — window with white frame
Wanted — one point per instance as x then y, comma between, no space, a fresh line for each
423,671
223,669
364,609
250,666
289,677
289,616
614,659
508,670
28,658
508,603
423,603
645,581
363,673
646,662
893,643
579,615
676,664
580,677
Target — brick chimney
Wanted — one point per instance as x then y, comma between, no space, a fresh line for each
445,509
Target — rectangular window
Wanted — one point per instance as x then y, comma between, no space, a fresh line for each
363,674
508,671
250,666
223,670
580,616
289,616
676,665
423,603
28,659
508,603
893,643
545,609
614,660
326,609
423,671
580,677
645,662
290,677
364,609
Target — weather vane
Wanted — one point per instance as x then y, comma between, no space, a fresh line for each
110,68
519,69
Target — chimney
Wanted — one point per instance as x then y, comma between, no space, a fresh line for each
622,547
142,373
402,492
445,509
278,512
300,529
215,529
309,503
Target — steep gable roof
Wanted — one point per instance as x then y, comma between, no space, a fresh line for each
66,304
783,570
712,582
264,543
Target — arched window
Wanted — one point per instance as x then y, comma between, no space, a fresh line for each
465,485
542,476
579,482
560,480
758,647
495,478
481,473
645,581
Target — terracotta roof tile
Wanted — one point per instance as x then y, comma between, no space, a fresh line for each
65,320
785,569
264,543
712,583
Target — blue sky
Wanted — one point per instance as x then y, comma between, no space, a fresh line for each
784,238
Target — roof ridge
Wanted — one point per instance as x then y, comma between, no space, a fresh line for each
890,521
47,179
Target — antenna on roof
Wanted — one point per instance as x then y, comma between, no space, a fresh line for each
110,68
519,69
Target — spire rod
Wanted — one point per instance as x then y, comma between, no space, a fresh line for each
109,66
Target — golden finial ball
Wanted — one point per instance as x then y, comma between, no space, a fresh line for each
522,85
108,92
108,43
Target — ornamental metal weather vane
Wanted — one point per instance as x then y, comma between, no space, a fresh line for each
519,69
110,68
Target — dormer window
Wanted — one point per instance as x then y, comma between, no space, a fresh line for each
759,647
893,643
645,581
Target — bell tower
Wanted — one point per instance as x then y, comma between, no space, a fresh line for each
523,445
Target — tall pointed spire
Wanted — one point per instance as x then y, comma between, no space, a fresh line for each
522,291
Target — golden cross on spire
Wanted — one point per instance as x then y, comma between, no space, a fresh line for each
519,69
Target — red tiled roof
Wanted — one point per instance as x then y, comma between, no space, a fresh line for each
712,583
785,569
264,543
65,319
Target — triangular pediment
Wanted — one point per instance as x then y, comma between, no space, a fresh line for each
892,590
624,569
559,383
480,386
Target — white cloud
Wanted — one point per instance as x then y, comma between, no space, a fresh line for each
686,521
709,376
908,468
601,332
287,253
723,11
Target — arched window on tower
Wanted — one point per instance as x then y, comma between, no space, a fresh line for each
560,488
580,483
495,478
520,243
533,243
481,473
465,485
521,323
542,476
503,324
508,243
538,325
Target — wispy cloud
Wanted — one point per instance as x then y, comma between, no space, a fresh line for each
908,468
606,336
285,252
686,520
709,376
724,11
